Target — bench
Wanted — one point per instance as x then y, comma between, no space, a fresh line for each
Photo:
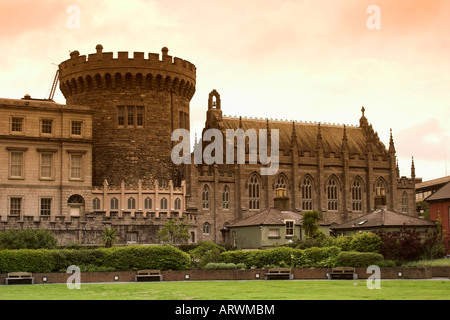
343,273
279,273
19,278
148,275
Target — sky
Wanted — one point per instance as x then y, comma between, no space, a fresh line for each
308,60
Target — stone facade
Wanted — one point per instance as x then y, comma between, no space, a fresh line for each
137,103
340,171
46,150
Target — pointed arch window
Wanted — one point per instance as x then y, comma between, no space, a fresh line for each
254,193
96,204
205,197
357,195
306,188
163,204
206,228
114,204
226,198
332,194
404,202
148,203
380,188
281,182
177,204
131,203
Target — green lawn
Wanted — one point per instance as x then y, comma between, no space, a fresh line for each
235,290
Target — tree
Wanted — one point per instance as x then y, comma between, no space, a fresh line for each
27,239
109,237
310,223
174,231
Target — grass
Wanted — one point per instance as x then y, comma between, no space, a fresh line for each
236,290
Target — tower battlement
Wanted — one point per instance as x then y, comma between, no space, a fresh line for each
101,71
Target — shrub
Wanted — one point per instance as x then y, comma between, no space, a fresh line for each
223,266
26,260
119,258
206,252
358,259
27,239
316,257
366,242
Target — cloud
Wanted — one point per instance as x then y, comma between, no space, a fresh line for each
427,140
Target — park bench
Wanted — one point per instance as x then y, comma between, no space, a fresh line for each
148,275
343,273
19,278
279,273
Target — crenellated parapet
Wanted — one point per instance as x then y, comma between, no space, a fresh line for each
83,74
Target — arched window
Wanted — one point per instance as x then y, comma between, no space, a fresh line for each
148,203
177,204
96,204
131,203
206,228
306,189
205,197
404,202
114,204
75,199
254,192
163,204
332,194
357,195
380,188
226,198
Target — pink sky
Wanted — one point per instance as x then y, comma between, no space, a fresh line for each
312,60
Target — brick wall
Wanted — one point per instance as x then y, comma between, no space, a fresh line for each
248,274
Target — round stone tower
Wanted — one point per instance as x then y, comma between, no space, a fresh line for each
137,103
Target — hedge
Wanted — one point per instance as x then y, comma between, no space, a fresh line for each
283,257
359,259
117,258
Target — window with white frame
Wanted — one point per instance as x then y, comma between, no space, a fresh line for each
46,171
16,164
274,233
45,206
17,124
15,206
76,166
289,228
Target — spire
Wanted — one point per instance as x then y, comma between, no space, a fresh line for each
398,170
294,136
363,120
240,122
391,144
319,144
344,140
413,169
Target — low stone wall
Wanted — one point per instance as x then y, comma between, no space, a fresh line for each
248,274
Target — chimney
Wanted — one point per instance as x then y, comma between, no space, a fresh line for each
281,200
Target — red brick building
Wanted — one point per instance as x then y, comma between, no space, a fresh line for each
440,209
